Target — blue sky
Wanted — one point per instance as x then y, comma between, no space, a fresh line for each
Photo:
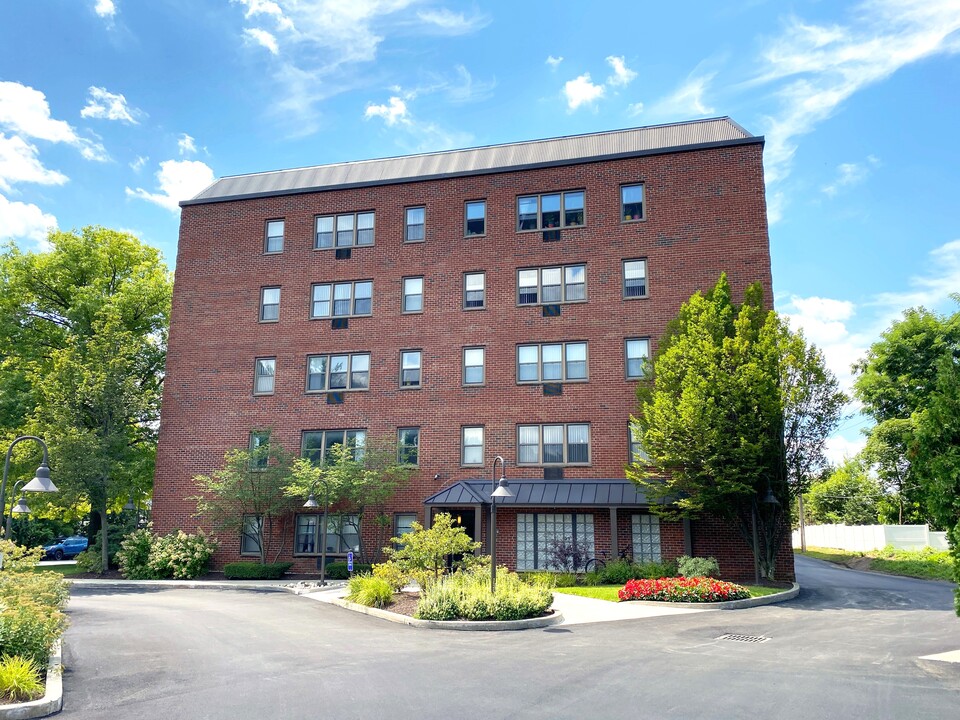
113,110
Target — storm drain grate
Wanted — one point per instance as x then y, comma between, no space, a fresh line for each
744,638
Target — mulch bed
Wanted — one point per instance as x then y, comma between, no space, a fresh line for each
404,603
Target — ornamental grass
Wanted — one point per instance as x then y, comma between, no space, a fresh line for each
683,589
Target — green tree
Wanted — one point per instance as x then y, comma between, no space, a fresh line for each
735,405
423,554
849,496
83,338
887,453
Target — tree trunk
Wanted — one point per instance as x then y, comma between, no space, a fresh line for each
105,540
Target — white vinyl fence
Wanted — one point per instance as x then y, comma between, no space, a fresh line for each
861,538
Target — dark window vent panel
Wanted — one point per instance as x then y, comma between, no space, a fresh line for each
551,311
552,389
340,323
553,473
343,253
335,398
551,235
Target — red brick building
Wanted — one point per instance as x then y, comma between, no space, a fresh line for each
472,303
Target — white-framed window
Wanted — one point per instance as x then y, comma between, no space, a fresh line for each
408,445
273,237
474,291
473,366
475,218
413,226
412,295
636,351
258,439
343,534
403,523
646,537
315,445
552,362
548,285
410,368
636,452
346,299
343,231
250,534
561,444
539,533
552,210
265,371
631,202
472,446
338,372
269,304
634,279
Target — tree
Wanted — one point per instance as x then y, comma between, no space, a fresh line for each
83,338
736,405
246,496
887,453
849,496
423,554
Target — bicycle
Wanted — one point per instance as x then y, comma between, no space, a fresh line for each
596,564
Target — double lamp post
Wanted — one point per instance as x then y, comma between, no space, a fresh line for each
40,483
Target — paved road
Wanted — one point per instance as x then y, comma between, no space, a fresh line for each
846,648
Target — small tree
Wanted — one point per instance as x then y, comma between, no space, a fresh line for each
247,495
423,554
849,496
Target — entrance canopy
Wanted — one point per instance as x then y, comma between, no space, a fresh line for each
533,492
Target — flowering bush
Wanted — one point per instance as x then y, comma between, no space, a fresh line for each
180,555
683,589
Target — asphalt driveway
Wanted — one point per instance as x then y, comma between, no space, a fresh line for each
847,647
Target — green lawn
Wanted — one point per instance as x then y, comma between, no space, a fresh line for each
65,570
609,592
927,564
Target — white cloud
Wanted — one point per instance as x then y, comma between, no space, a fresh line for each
622,75
23,220
850,174
554,62
930,289
108,106
186,145
263,38
824,66
581,91
137,165
177,180
451,23
776,201
393,112
686,101
19,164
839,448
105,8
268,8
634,109
415,135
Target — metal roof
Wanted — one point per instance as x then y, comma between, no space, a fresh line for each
545,493
654,139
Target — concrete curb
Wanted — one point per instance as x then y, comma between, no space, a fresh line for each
475,625
731,604
52,700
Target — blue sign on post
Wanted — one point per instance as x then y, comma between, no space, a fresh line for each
349,562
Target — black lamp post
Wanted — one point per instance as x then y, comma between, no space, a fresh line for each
40,483
313,504
769,499
501,489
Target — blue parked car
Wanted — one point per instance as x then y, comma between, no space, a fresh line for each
66,547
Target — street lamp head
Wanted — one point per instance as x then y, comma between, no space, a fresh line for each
311,502
129,505
21,507
41,482
770,499
503,489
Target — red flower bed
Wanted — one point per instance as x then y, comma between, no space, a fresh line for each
682,589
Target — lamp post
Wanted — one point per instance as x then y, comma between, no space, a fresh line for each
40,483
312,503
769,499
501,489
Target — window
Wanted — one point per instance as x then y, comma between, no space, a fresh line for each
269,304
264,376
473,366
403,523
556,362
637,351
556,210
542,286
476,218
553,444
631,202
412,295
408,446
343,534
474,296
646,537
344,230
338,372
539,533
347,299
413,224
259,440
637,453
250,534
274,240
410,368
317,444
472,446
634,278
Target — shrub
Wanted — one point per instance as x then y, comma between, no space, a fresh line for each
653,569
698,567
19,559
255,571
953,535
567,554
390,573
19,679
181,555
424,554
682,589
338,570
133,557
29,629
617,573
370,591
467,595
48,589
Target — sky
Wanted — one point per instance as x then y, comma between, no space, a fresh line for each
112,111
